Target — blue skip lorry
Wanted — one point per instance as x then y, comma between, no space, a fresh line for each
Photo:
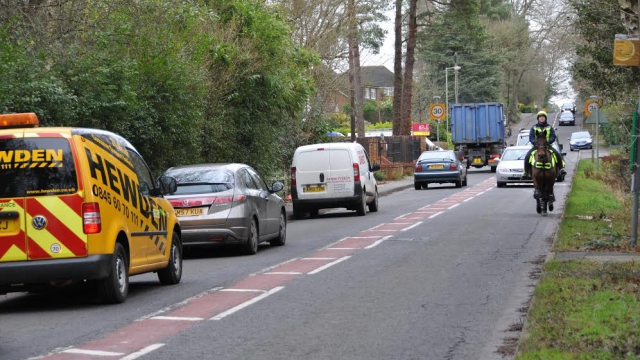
477,133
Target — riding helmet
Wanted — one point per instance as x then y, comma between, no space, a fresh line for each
541,113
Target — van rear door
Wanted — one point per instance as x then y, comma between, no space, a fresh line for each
340,181
39,199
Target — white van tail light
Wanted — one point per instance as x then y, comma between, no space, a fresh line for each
91,218
293,176
356,172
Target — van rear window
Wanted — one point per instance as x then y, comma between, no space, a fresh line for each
36,167
313,160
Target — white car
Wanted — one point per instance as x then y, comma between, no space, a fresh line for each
511,166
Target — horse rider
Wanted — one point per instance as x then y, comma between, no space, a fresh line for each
542,126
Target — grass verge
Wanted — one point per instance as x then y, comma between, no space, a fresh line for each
586,309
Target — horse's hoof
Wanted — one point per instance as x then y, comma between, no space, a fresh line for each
550,207
544,214
538,209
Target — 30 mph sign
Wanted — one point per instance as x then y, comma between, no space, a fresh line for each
437,111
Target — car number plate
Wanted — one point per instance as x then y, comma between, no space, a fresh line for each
440,166
314,188
8,226
477,161
190,211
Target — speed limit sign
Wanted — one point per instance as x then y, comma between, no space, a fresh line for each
437,111
590,107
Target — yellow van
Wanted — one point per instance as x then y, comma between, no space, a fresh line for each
81,205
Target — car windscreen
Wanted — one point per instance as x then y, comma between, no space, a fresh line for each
523,140
36,167
436,155
566,115
201,180
581,135
513,154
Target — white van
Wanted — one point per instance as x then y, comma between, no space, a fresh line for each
333,175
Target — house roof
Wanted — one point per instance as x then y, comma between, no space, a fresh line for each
376,76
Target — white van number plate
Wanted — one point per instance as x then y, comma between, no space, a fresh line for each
314,188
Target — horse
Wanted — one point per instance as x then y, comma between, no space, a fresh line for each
543,171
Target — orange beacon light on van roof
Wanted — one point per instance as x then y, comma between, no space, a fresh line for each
18,120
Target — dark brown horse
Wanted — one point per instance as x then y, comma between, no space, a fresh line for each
543,171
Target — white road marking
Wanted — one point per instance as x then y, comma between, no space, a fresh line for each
177,318
242,290
412,226
283,273
326,266
467,199
341,248
451,207
434,215
377,242
91,352
319,258
245,304
179,304
142,352
402,216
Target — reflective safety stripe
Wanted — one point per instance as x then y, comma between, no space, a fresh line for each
63,235
13,245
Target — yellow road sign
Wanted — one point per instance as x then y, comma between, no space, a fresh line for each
438,111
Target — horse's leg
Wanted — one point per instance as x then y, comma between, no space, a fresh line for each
536,189
545,201
538,205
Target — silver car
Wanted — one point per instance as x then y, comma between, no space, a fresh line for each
511,166
227,204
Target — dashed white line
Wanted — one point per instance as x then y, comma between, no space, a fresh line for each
326,266
283,273
402,216
142,352
452,206
412,226
242,290
378,242
177,318
235,309
91,352
179,304
465,200
434,215
343,248
319,258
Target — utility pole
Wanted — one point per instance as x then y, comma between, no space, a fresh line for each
455,67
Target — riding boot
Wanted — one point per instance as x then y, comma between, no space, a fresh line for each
552,198
536,194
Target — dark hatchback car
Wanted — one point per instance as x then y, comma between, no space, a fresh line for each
227,204
440,166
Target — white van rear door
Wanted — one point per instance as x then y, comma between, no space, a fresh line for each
340,180
324,173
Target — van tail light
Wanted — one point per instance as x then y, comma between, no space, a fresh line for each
91,221
418,168
453,166
293,176
356,172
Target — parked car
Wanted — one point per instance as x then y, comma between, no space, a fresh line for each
580,140
227,204
511,166
567,118
439,166
333,175
569,107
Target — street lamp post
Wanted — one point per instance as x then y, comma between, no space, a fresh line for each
436,100
595,98
446,95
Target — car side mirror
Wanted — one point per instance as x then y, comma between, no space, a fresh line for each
375,167
277,186
167,184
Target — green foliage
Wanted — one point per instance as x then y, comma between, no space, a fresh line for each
184,81
458,29
597,23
